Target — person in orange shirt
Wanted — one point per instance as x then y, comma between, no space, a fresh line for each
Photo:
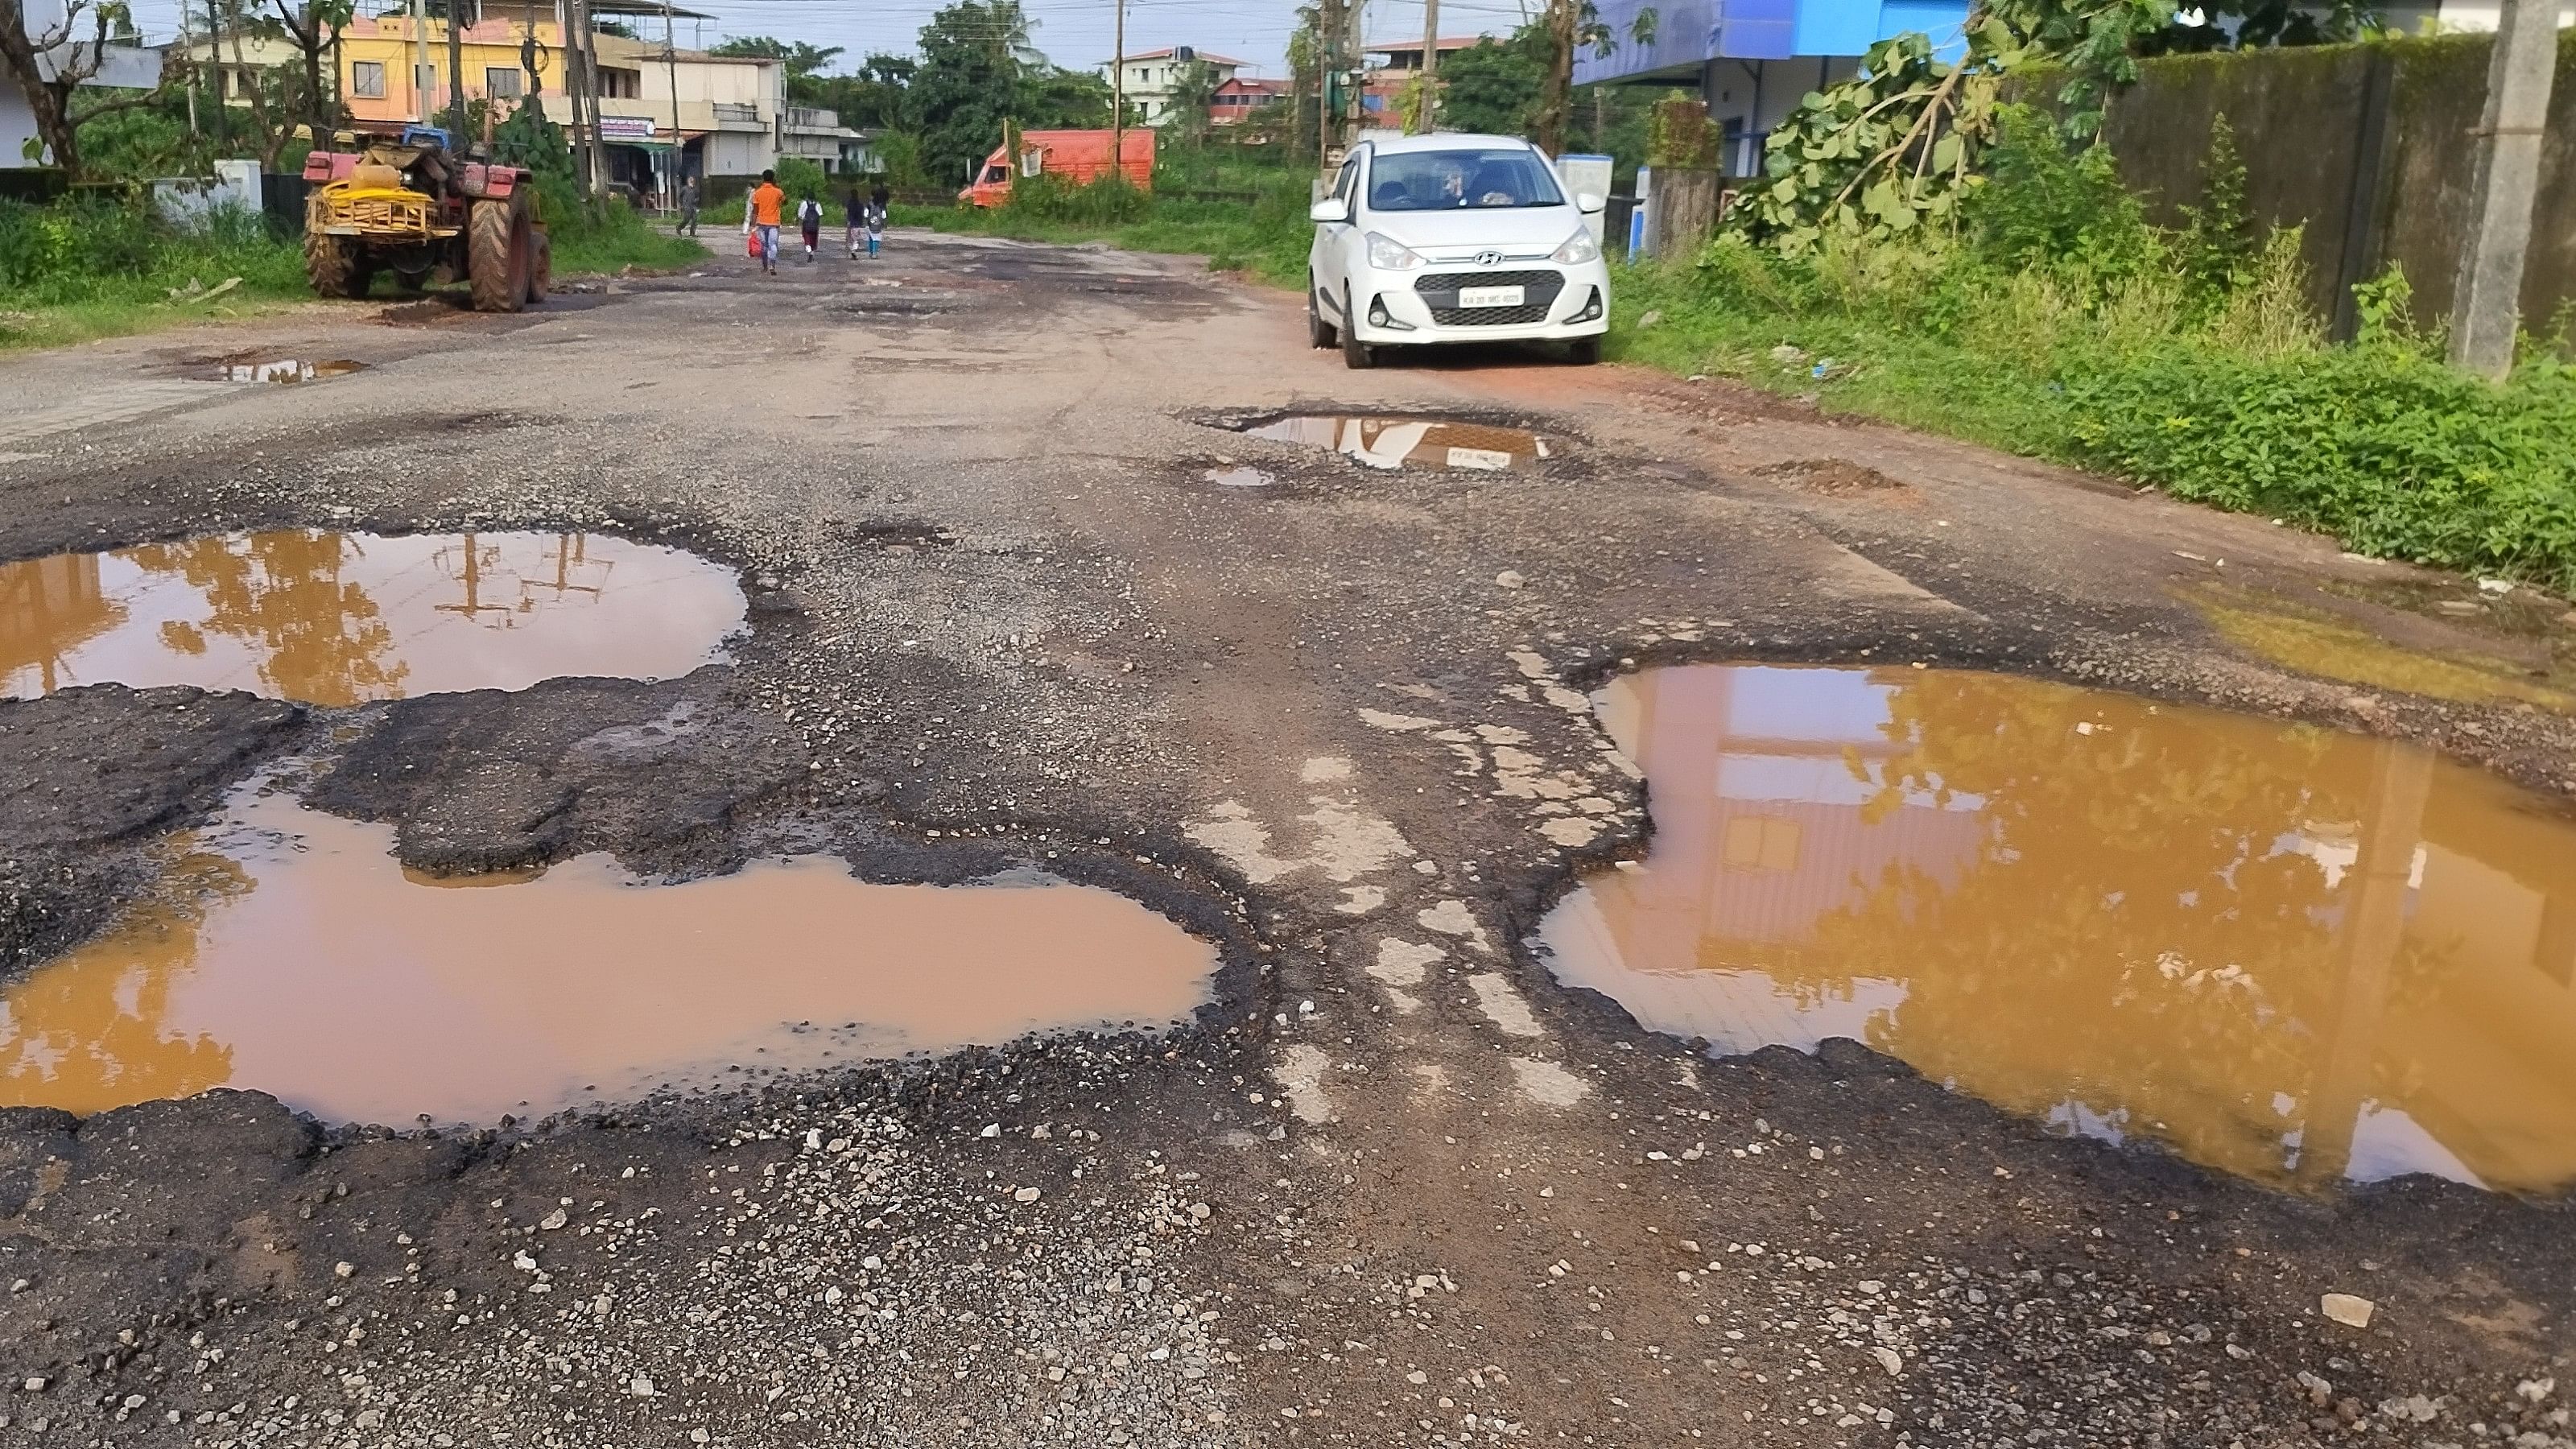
760,218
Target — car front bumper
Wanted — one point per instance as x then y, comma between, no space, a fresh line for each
1407,308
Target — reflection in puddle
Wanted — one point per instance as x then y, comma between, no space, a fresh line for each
290,953
1399,442
339,618
2295,955
286,369
1238,477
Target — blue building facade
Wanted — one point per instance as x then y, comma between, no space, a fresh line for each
1754,59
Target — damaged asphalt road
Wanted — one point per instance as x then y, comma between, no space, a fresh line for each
1392,1186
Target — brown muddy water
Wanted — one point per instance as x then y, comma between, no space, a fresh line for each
1401,442
2298,956
342,618
289,952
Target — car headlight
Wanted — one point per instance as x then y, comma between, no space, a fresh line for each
1578,249
1388,254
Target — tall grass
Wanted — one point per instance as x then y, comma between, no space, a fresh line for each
2058,323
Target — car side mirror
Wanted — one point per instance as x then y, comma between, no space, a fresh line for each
1330,210
1588,203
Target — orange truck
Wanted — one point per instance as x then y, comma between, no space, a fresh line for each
1079,156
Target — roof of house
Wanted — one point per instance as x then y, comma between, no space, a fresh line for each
1255,83
1447,43
1210,56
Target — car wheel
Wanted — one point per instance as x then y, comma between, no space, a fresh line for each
1583,351
1319,333
1356,355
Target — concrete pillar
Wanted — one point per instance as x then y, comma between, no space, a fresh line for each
2487,305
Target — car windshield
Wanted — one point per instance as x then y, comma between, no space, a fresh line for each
1447,180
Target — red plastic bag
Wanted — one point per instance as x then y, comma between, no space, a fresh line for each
751,245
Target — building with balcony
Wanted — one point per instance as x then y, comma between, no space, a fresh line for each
1754,60
1149,77
1393,64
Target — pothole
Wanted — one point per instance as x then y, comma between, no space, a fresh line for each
1239,477
1406,442
290,953
341,618
2295,955
284,369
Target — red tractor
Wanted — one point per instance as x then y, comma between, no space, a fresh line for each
414,208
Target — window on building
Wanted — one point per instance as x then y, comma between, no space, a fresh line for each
367,78
502,81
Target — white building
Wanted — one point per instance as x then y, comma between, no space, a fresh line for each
123,66
1150,77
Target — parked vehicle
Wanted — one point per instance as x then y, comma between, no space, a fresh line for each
1444,239
417,209
1079,156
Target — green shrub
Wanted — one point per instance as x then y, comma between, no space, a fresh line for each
1110,200
2058,322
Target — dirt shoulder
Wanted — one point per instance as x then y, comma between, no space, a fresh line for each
1001,616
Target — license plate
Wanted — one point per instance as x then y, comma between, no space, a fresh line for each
1489,296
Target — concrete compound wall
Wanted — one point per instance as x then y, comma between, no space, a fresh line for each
2368,146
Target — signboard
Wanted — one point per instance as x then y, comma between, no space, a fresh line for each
626,128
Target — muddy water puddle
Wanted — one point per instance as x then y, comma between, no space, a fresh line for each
1403,442
341,618
2314,640
2298,956
289,952
284,369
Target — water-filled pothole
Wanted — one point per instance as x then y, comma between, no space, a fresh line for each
1238,476
289,952
340,618
1402,442
2296,955
284,369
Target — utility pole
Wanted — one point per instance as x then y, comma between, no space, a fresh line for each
1117,94
671,67
188,44
2486,305
456,67
419,49
585,99
1430,119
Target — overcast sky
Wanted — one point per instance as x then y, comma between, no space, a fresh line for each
1073,33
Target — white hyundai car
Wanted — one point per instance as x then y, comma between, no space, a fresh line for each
1432,239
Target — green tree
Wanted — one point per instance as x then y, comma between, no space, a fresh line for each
1193,91
967,83
1493,86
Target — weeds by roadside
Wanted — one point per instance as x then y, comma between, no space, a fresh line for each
2059,323
91,266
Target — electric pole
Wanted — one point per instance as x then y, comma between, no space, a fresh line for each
456,68
420,70
1430,118
585,100
2486,306
1117,95
671,64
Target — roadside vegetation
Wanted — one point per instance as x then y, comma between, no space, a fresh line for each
2057,322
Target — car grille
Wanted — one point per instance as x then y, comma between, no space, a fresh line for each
1439,291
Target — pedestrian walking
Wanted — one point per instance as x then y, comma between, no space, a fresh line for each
809,220
876,228
689,207
854,217
760,219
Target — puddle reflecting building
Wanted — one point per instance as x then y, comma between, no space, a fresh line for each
2292,954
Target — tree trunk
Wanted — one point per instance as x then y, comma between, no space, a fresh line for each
1556,92
49,102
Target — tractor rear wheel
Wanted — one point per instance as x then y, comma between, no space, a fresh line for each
496,254
336,266
541,265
